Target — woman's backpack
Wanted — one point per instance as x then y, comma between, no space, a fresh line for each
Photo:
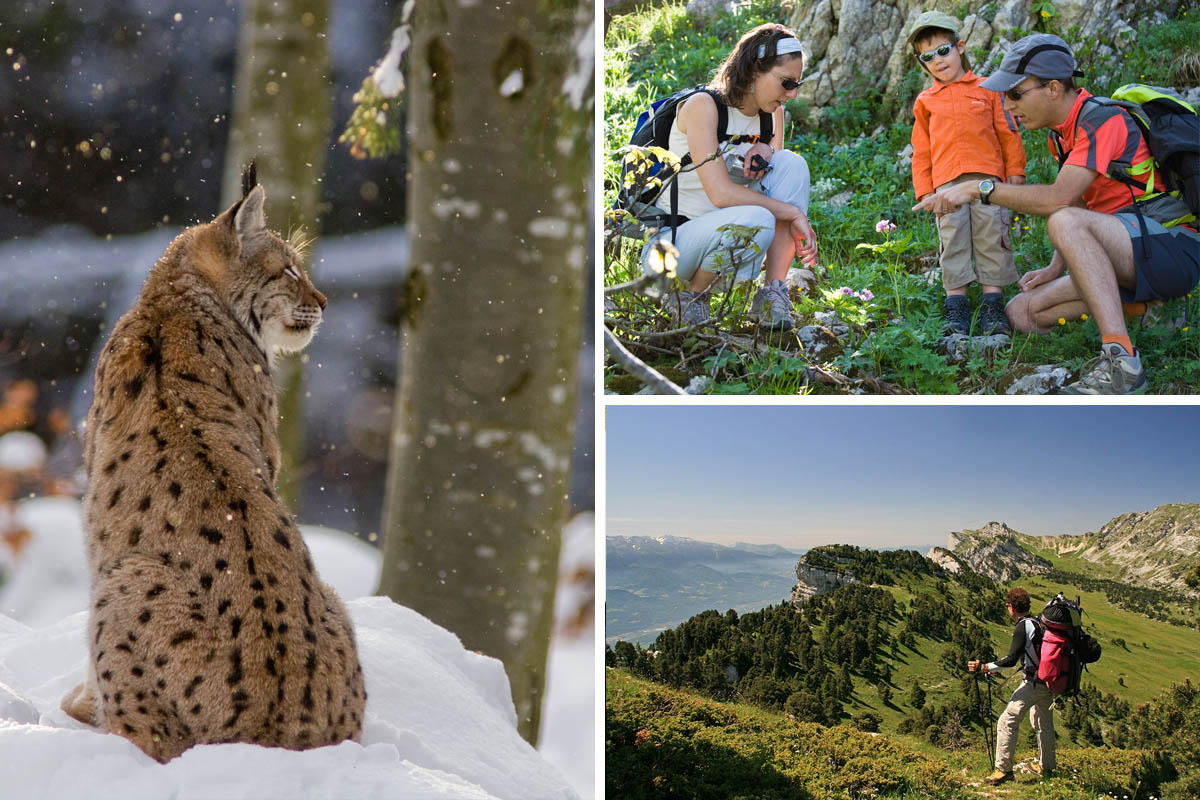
644,175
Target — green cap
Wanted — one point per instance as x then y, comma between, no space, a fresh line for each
932,19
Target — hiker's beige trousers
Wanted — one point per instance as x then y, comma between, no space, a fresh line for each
1036,698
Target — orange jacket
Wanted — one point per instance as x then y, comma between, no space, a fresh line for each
961,127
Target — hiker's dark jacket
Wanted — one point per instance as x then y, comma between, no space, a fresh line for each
1021,649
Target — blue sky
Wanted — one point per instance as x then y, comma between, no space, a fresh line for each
889,475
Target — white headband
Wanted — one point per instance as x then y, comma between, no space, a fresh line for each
788,44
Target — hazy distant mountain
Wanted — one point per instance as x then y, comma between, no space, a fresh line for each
657,582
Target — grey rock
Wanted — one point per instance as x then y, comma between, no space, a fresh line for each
799,280
831,321
959,347
1042,379
820,344
812,581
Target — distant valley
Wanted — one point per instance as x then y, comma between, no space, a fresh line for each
656,583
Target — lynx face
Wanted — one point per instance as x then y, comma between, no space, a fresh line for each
269,290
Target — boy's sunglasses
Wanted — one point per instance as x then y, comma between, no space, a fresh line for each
942,50
1017,94
789,85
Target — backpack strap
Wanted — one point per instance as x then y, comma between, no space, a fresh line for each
1127,174
766,132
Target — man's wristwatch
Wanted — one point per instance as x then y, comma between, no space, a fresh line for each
985,190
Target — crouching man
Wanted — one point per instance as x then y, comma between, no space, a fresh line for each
1106,254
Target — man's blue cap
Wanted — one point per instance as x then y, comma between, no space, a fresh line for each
1041,54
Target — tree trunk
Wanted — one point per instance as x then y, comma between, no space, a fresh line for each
500,154
281,102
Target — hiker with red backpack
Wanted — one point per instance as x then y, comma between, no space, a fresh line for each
752,181
1033,695
1121,213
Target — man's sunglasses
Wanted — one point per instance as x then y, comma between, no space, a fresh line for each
789,85
1017,94
942,50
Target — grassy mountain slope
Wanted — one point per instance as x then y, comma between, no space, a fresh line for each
1142,658
666,743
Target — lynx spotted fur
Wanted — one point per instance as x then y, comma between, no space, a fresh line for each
208,622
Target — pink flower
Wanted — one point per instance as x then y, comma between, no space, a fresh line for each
846,290
883,226
866,295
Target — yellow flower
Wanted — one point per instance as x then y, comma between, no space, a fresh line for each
1084,317
1062,321
1045,14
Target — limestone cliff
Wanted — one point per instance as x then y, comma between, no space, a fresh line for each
814,580
1149,548
994,551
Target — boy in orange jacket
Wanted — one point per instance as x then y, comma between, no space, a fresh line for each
962,133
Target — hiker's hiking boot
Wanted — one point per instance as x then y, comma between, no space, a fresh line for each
1036,768
957,310
997,777
688,308
772,307
992,318
1114,371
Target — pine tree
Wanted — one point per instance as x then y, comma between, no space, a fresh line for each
916,695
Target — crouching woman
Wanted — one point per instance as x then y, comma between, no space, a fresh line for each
768,193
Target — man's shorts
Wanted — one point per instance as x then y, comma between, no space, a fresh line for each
1173,266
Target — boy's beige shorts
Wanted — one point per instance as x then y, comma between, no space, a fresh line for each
975,244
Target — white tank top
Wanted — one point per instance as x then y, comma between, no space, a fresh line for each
693,200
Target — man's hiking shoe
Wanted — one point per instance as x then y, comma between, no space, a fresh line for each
997,777
687,308
1036,768
992,318
957,310
1114,371
772,307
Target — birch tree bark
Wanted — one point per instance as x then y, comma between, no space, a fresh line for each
281,105
500,103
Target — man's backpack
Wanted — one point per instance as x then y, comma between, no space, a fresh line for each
1171,128
644,176
1062,646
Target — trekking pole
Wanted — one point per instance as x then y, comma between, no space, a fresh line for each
985,716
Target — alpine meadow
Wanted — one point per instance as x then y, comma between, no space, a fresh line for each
868,315
856,685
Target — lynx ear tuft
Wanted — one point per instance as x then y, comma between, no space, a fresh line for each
250,217
249,177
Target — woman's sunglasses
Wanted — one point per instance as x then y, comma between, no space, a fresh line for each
789,85
942,50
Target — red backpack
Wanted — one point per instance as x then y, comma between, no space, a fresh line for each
1062,647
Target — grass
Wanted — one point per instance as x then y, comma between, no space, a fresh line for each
894,336
665,743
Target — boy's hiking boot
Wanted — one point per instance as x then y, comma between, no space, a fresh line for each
997,777
688,308
957,310
772,307
1114,371
992,318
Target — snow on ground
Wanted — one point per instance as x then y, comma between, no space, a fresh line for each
439,722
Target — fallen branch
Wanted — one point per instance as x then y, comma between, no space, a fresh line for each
638,368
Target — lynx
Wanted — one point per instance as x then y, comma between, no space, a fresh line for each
208,622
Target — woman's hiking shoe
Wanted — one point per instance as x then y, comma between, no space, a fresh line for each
1114,371
957,310
772,307
688,308
997,777
992,318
